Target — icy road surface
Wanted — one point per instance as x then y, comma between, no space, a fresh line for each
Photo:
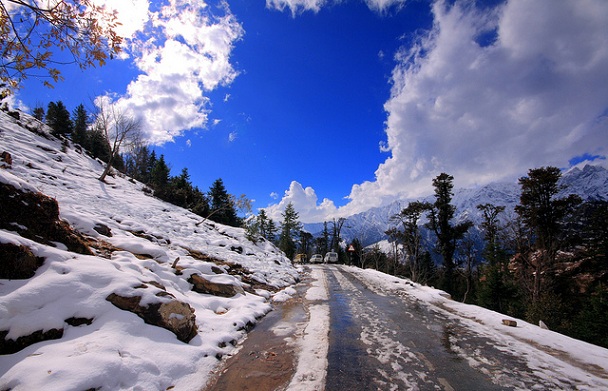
369,331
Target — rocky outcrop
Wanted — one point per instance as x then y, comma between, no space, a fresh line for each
172,315
10,346
36,216
202,285
18,262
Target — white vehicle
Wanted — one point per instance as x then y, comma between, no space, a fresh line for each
317,258
331,257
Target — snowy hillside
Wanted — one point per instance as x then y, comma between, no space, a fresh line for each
146,254
590,183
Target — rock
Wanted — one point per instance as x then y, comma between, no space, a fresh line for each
508,322
36,216
18,262
9,346
6,158
173,315
202,285
103,229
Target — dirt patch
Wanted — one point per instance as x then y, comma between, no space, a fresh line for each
266,360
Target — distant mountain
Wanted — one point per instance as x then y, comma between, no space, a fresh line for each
590,183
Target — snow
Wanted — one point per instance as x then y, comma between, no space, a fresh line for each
314,345
118,351
551,355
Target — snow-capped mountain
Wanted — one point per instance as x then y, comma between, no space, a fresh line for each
590,183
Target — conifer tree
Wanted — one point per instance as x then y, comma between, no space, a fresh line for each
448,235
81,124
412,239
222,209
543,215
58,118
289,231
159,177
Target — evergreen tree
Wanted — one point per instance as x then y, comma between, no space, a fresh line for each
159,177
222,205
448,235
542,215
38,113
267,227
99,147
494,292
58,119
289,230
81,123
412,239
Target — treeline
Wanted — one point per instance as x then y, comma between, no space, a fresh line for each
142,164
548,262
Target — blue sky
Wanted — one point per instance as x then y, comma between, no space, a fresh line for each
338,106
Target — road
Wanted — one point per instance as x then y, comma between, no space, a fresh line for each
380,342
387,340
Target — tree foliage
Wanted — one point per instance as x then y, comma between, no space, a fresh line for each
440,217
34,35
290,227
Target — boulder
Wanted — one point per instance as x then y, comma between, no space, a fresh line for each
18,262
202,285
173,315
36,216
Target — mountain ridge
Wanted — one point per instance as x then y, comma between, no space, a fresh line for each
589,182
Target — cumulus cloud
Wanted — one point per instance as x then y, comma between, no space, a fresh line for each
182,50
489,93
305,202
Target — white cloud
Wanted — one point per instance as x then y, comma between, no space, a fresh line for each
232,136
296,6
132,14
490,109
183,51
299,6
486,95
383,6
305,202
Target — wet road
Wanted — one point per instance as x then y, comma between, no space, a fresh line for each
382,342
382,338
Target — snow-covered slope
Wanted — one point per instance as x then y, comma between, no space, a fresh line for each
118,351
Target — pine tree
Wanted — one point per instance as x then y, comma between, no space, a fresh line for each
58,118
448,235
494,292
81,123
267,227
159,177
543,215
289,230
412,239
38,113
222,205
99,147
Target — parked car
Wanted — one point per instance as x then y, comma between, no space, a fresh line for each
331,257
317,258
